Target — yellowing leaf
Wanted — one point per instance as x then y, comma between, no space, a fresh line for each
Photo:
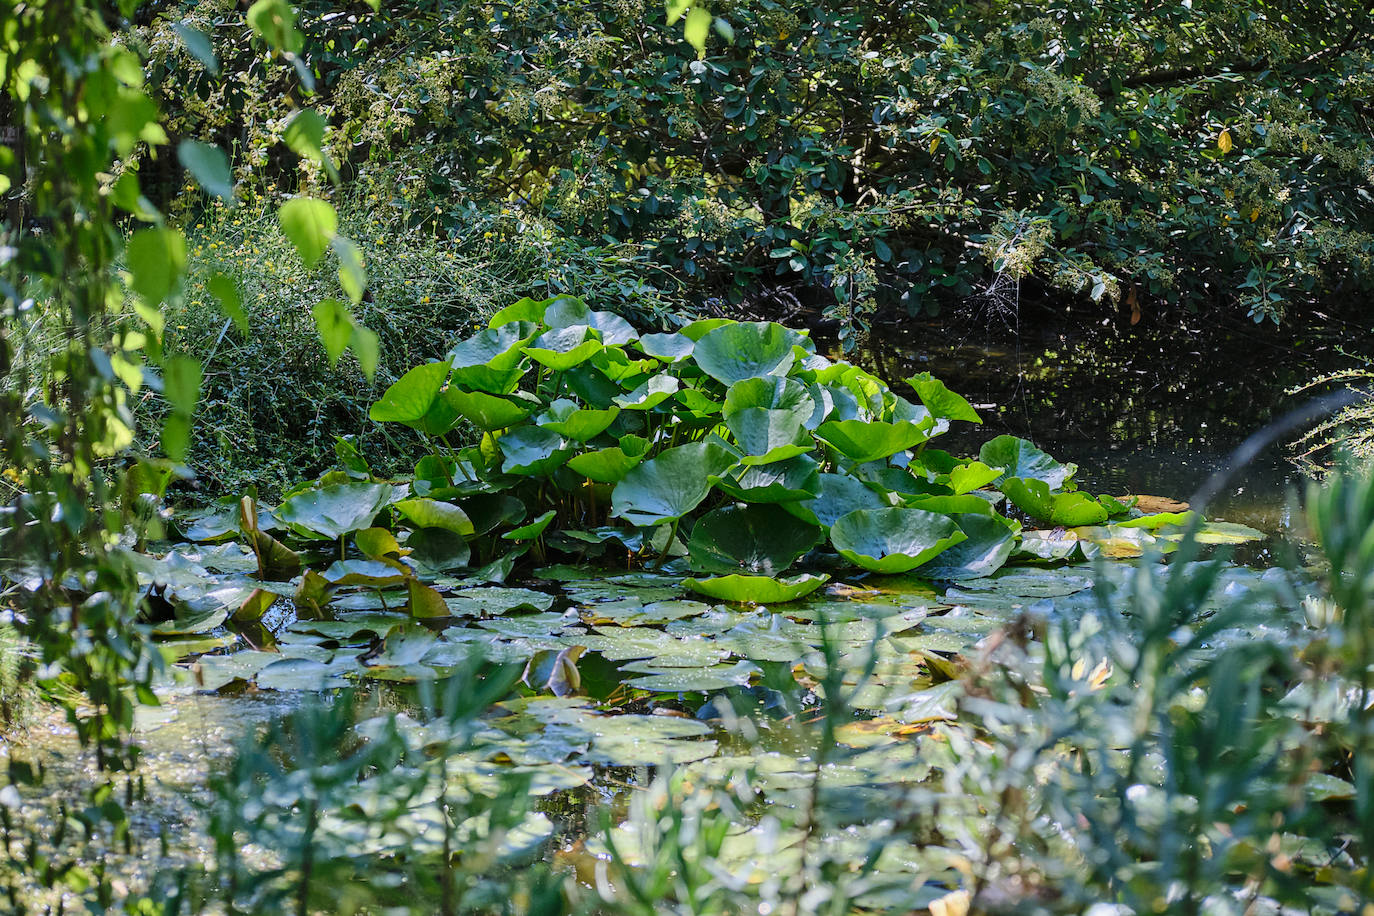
934,144
1224,142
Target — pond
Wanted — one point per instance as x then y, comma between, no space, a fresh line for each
623,671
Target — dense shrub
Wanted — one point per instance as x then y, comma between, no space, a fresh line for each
1200,153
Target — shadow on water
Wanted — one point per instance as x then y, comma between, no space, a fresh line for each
1140,409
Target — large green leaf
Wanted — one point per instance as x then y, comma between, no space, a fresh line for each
667,347
492,360
490,412
669,486
409,399
862,441
767,414
747,349
838,494
310,225
777,482
334,511
563,348
567,419
893,540
758,540
1019,458
533,451
940,401
609,465
990,542
210,167
649,395
156,259
433,513
757,589
566,311
1071,510
526,309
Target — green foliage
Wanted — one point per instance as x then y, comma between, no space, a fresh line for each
740,452
273,406
862,157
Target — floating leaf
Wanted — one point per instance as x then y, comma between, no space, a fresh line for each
757,589
681,680
893,540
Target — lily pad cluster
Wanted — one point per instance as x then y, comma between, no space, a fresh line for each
733,451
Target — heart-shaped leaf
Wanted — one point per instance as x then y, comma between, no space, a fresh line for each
758,540
669,486
893,540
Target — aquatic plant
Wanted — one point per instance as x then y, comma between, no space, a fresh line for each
729,449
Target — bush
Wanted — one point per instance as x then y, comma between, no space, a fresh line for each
1199,153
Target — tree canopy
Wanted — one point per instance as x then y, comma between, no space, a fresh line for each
858,155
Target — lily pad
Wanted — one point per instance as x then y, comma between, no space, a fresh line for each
567,419
609,465
561,349
331,512
489,412
669,486
940,401
986,550
1071,510
864,441
649,395
432,513
759,540
747,349
411,397
893,540
667,347
757,589
1019,458
795,479
533,451
839,495
695,679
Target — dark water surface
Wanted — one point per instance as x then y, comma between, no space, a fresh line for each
1140,409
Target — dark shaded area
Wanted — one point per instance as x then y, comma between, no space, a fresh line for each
1143,408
